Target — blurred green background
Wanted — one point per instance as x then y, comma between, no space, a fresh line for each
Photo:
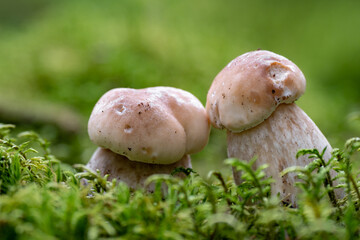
58,57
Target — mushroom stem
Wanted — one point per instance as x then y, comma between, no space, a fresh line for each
275,142
132,173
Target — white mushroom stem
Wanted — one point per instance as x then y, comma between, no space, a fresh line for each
275,142
132,173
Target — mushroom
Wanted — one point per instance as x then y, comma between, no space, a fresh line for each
253,98
132,173
148,131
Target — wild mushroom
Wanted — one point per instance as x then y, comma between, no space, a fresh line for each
252,97
146,131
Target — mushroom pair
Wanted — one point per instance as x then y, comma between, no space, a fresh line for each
253,99
146,131
153,130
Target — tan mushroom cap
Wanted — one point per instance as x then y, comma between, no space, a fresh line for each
156,125
249,89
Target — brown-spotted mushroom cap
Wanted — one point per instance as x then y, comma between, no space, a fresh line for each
250,88
156,125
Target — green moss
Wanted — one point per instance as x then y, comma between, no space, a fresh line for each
40,198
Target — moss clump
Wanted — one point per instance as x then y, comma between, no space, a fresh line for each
41,198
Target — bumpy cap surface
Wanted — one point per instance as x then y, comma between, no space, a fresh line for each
156,125
249,89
